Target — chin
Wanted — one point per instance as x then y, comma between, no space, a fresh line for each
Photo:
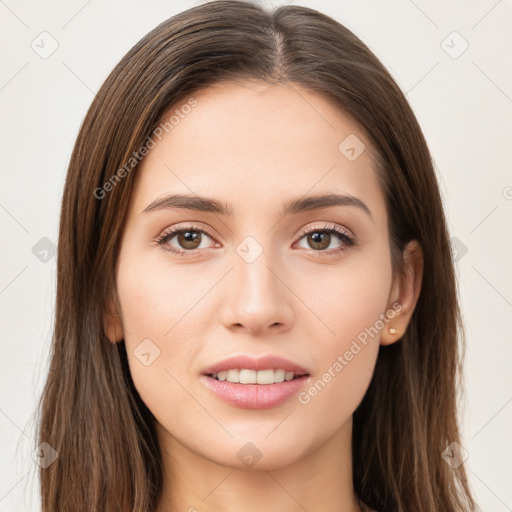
258,452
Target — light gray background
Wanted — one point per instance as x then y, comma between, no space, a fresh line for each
464,105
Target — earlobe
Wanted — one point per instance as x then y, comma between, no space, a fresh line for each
405,294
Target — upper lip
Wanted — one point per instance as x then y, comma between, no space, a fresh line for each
251,363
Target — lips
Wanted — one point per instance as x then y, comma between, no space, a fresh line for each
250,363
253,394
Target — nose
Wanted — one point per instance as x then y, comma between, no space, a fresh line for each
257,298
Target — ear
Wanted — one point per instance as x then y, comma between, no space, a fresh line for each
404,294
112,320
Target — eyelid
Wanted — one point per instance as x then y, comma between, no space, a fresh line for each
324,225
190,226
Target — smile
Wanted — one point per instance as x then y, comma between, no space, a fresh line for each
247,376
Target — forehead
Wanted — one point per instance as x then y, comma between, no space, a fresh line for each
250,144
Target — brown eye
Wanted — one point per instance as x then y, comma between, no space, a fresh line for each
319,240
186,240
189,239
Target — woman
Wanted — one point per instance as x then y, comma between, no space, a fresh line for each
256,303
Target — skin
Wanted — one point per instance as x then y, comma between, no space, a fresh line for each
256,147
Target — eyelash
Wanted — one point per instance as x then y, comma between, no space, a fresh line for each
327,229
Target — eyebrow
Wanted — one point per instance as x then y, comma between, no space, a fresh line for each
294,206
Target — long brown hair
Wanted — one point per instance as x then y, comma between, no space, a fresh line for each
90,412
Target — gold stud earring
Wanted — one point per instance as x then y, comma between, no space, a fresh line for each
392,330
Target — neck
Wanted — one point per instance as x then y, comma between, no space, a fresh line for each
321,480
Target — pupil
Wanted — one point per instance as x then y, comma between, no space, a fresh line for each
190,239
320,240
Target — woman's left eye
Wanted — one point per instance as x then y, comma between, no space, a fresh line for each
319,239
190,239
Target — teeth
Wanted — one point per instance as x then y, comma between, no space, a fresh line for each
233,376
245,376
265,377
279,375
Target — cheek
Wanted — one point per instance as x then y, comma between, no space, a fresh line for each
160,328
344,361
157,300
351,304
344,299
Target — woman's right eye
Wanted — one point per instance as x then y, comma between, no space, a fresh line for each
189,239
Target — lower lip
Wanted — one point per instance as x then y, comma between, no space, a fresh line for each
255,396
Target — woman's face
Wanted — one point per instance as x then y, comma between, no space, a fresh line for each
265,278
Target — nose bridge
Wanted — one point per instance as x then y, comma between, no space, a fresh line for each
257,297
